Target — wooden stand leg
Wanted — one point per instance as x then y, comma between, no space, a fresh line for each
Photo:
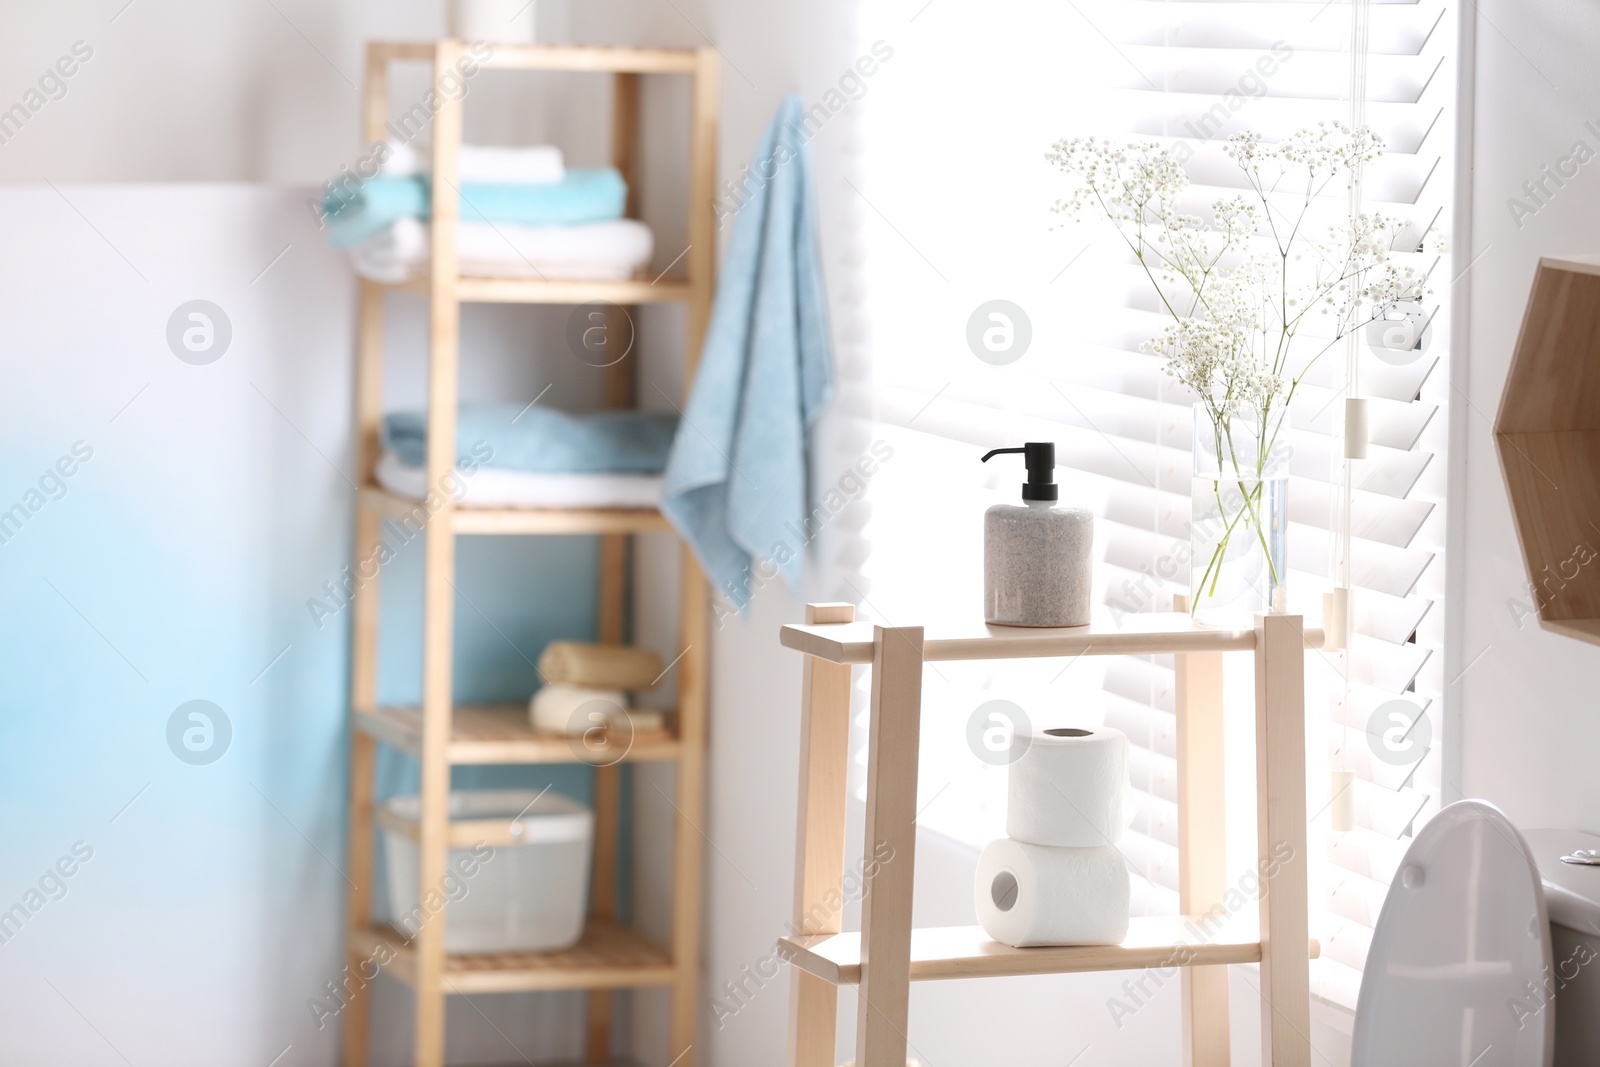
1202,846
889,856
819,853
1281,803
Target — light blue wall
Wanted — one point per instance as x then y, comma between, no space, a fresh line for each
177,566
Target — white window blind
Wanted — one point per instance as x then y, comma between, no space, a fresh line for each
957,193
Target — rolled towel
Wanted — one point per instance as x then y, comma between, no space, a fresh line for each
595,251
610,666
574,710
596,194
535,165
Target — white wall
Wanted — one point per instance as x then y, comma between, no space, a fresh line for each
1529,716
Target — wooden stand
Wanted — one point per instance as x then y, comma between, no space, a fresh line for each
610,956
888,954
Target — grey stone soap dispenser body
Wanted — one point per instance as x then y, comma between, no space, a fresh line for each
1036,555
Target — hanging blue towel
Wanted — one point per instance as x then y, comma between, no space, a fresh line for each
596,194
542,439
736,483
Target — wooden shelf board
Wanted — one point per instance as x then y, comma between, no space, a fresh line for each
536,291
607,957
1145,633
939,953
504,521
614,60
1582,629
503,734
552,57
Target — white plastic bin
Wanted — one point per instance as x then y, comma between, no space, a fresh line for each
528,897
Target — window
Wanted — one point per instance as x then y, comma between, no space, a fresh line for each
956,196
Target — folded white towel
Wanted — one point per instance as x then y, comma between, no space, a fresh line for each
503,487
538,165
596,251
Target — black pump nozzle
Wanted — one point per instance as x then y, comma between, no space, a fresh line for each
1040,457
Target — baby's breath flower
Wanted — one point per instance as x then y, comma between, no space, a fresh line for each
1239,283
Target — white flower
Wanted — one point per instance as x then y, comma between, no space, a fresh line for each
1239,285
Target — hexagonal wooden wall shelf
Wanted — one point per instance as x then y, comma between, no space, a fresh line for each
1548,436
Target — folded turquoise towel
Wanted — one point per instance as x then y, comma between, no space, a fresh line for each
597,194
736,485
543,439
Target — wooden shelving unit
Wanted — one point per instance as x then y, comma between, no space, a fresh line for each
610,956
888,953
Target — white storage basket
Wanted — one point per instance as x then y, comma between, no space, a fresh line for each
528,897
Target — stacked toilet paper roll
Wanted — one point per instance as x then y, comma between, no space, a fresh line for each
1057,878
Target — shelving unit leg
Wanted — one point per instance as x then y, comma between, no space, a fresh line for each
819,851
364,639
1281,829
694,612
889,851
702,251
363,761
607,796
1202,846
439,566
689,807
358,909
619,391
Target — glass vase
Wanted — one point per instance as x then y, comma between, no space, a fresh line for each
1239,518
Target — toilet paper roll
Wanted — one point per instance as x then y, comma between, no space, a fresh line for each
1030,895
1067,787
576,709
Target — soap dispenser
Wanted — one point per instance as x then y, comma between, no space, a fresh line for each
1036,556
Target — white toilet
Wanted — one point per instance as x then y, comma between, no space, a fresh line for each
1572,897
1461,971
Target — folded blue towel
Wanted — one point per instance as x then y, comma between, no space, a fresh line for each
543,439
737,483
597,194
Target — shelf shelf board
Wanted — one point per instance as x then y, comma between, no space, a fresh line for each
1582,629
537,291
607,957
1139,634
502,734
554,57
504,521
966,952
